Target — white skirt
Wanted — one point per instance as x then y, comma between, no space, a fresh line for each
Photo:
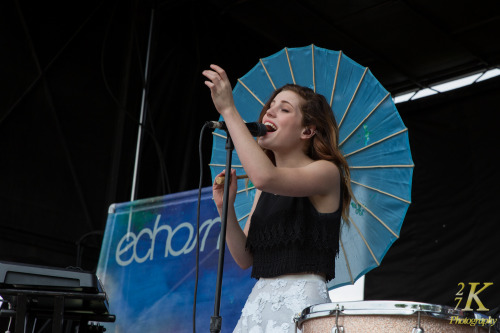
274,302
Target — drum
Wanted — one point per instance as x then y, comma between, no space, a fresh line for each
390,317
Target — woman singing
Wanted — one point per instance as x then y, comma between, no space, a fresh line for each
291,237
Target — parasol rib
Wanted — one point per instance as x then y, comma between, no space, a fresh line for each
220,135
335,80
361,122
378,219
376,142
353,96
381,166
223,165
268,76
290,65
243,217
245,189
251,92
346,261
314,74
380,191
364,240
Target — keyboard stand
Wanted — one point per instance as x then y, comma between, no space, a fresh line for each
26,307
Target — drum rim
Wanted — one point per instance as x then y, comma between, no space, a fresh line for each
356,308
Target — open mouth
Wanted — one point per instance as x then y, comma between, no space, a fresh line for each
270,126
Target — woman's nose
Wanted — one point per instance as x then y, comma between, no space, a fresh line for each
271,112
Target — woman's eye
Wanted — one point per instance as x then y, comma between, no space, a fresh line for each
284,110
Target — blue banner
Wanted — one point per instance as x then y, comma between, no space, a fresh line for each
147,266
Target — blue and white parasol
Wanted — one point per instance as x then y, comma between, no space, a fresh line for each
373,138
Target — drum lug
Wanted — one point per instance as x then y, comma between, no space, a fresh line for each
337,328
418,329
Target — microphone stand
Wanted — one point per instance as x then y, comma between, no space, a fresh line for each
216,320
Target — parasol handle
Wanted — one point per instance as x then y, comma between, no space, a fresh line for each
220,180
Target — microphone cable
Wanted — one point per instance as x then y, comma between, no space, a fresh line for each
198,225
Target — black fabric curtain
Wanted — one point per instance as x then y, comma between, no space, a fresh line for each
451,232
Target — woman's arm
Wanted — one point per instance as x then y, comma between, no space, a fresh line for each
235,237
316,178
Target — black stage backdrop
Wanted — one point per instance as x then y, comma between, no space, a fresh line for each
71,92
451,231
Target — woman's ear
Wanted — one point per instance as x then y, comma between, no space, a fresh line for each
309,132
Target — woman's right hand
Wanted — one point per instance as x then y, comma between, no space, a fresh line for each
218,190
220,89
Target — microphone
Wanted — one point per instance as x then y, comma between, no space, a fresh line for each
256,129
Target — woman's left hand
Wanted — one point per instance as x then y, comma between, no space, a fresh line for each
218,189
220,88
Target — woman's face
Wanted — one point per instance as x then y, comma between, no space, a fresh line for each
285,117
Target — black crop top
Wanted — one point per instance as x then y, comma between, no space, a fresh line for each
288,235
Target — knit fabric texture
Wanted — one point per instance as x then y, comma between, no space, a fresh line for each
288,235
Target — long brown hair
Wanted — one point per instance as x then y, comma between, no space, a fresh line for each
324,145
